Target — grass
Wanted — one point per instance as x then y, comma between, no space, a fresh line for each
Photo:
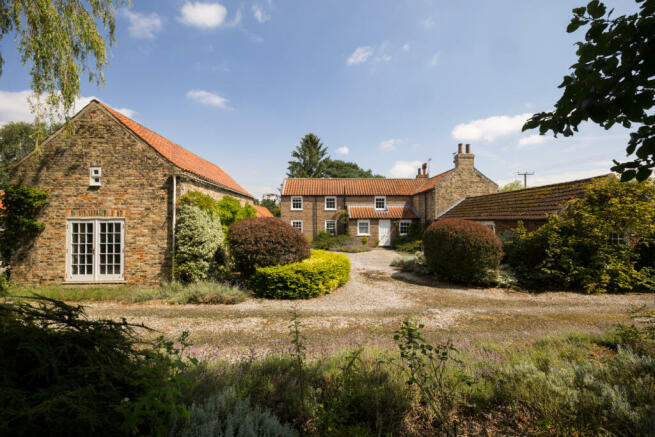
173,293
573,384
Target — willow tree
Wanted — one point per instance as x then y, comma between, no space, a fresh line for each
60,40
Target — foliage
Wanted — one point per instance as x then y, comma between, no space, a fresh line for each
410,243
228,209
18,224
338,243
17,140
414,263
71,375
364,240
434,370
411,246
318,275
337,168
462,251
511,186
225,414
578,249
611,82
199,243
61,40
271,202
309,158
208,293
262,242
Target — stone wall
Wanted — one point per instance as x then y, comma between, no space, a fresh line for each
460,183
187,184
136,186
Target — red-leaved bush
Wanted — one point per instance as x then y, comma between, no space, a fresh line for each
462,251
262,242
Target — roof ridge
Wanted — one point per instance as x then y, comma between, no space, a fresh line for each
213,174
528,189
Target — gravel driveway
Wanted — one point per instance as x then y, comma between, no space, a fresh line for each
371,306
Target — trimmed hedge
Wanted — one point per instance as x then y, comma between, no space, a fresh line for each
262,242
318,275
462,251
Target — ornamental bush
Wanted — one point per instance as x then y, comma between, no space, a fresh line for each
462,251
602,242
228,209
199,243
318,275
262,242
21,205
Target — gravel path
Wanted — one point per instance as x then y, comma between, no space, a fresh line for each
371,306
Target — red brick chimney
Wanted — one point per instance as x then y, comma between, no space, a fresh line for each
464,160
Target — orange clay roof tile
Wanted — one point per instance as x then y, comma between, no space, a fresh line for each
392,212
262,211
178,155
359,186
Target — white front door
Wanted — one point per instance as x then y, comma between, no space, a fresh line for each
384,232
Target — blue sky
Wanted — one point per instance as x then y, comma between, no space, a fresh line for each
387,84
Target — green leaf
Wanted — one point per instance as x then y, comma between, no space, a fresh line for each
628,175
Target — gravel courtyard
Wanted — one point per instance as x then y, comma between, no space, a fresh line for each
371,306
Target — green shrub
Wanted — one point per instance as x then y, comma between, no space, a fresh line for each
462,251
578,249
339,243
224,414
410,243
209,293
261,242
199,243
364,240
228,209
18,225
64,374
318,275
408,246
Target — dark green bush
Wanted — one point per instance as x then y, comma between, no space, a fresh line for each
603,242
341,243
62,374
462,251
410,243
18,225
318,275
262,242
412,246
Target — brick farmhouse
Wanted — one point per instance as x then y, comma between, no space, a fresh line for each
113,185
532,206
379,208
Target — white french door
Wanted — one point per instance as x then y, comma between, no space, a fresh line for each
95,250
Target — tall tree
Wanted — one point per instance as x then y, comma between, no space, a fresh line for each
60,40
310,158
16,141
512,186
337,168
612,82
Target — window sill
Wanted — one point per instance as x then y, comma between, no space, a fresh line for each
87,282
295,209
363,235
332,209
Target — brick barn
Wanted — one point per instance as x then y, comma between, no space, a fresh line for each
379,208
113,185
532,206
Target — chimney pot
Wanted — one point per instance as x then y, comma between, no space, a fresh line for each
468,148
459,148
425,167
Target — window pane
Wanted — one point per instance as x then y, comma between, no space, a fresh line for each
103,227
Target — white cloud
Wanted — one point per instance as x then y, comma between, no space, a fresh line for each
428,22
203,15
383,58
404,169
14,106
533,140
406,47
390,144
489,129
343,150
434,60
360,55
259,14
141,25
207,98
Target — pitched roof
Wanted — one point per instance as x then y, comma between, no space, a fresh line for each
358,186
262,211
531,203
431,182
178,155
392,212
